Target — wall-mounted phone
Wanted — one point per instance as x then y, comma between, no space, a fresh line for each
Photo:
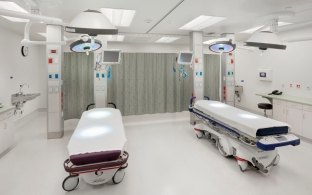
276,92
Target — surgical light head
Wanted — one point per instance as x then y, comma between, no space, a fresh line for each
85,44
265,40
222,46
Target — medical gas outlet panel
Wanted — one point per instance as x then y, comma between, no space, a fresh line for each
228,78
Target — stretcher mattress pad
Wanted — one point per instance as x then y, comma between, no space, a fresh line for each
246,122
99,131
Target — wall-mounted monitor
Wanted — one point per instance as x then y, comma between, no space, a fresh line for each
111,57
185,58
265,74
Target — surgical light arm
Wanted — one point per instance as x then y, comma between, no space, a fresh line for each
34,19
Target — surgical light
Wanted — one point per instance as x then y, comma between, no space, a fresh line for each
222,46
91,22
8,5
85,45
265,40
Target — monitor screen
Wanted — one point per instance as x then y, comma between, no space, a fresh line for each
263,74
111,57
185,58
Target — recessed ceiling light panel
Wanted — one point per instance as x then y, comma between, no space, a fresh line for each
119,17
8,5
202,22
115,38
167,39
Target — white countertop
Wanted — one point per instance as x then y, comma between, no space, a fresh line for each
288,98
6,108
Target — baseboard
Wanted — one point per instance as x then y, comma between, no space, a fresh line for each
42,110
308,140
25,119
55,135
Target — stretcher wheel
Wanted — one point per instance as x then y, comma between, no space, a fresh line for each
242,165
119,175
199,134
277,159
70,183
220,148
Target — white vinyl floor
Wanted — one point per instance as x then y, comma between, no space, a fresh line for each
165,159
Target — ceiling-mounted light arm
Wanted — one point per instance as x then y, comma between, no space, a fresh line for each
27,41
33,19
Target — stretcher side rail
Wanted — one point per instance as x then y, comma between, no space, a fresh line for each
223,128
265,142
74,169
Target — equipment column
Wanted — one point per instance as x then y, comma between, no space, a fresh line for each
100,78
54,57
198,69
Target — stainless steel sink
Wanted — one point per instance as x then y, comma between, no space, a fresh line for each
18,99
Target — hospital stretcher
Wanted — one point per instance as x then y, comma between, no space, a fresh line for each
96,149
251,139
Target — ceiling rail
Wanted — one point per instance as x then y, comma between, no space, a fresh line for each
166,15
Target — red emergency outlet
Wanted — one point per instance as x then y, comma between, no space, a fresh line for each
196,60
50,60
53,51
232,61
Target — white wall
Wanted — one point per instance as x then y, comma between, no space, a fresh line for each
290,66
30,70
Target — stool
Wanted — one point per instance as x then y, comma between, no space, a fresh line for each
265,106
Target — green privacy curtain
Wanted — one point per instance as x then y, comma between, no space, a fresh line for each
77,83
211,76
145,83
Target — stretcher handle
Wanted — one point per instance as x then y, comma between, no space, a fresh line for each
206,97
111,103
90,106
192,101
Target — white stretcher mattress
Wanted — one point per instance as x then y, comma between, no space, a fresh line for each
241,120
98,130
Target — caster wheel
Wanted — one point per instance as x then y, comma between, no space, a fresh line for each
199,134
243,165
220,148
277,159
119,175
70,183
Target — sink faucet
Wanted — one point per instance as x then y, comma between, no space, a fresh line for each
21,87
